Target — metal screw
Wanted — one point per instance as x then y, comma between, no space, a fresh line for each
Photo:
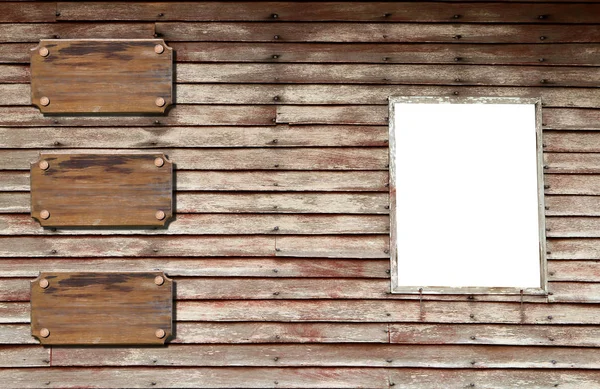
159,49
44,165
158,280
276,228
473,338
553,362
456,16
275,270
275,141
157,122
457,80
387,15
44,332
471,297
386,251
276,359
276,165
472,316
387,271
543,81
160,15
541,59
159,101
542,17
275,293
455,93
274,56
276,98
546,207
44,52
44,214
158,162
389,360
551,339
53,251
546,186
384,58
44,101
457,37
276,37
160,333
550,317
274,16
456,59
160,215
44,283
542,38
277,249
57,13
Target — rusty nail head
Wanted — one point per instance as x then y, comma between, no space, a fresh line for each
159,101
160,215
44,332
44,283
44,165
44,52
159,49
160,333
158,162
44,101
159,280
44,214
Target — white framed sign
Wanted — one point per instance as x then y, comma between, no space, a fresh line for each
466,192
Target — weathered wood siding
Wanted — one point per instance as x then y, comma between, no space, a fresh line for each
280,247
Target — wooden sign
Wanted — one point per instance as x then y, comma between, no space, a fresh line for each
102,190
102,308
102,76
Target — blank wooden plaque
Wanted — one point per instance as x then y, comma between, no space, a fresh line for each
91,190
102,76
78,308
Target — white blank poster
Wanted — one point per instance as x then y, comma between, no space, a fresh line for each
466,195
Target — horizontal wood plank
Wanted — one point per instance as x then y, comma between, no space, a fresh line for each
24,356
132,246
573,248
515,335
19,94
333,11
376,246
353,355
572,205
457,75
206,115
347,158
387,311
149,137
359,311
28,12
25,32
572,184
270,377
572,162
207,267
481,54
375,32
572,141
17,334
106,378
571,270
266,202
573,227
220,224
580,292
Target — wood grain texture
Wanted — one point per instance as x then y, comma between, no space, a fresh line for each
481,54
245,94
573,227
353,355
102,308
149,137
386,74
572,141
572,205
211,246
265,202
379,378
333,11
219,267
571,270
24,356
102,190
24,12
222,224
516,335
572,184
182,115
376,32
33,32
574,248
102,76
272,158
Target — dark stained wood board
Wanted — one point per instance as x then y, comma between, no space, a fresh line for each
101,308
102,76
102,189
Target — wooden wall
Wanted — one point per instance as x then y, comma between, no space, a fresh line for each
280,247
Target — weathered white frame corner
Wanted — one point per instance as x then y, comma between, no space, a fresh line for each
395,288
